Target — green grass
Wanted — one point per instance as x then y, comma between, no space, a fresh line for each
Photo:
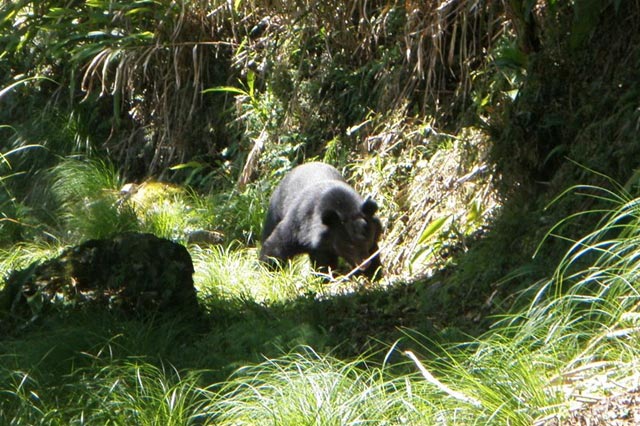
580,325
21,255
117,393
269,348
83,200
310,389
86,196
233,273
283,347
136,393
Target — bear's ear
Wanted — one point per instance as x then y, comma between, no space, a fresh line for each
369,207
331,218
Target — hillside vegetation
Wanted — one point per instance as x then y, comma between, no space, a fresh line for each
498,138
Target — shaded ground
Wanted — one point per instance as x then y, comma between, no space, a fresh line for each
134,272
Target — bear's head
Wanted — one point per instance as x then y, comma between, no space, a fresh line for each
354,231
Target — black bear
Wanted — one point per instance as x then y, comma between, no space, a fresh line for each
313,210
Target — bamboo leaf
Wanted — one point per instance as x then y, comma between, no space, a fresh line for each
10,87
138,10
101,4
226,89
60,12
188,165
7,16
251,79
433,228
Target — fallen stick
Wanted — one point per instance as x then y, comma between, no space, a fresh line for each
429,377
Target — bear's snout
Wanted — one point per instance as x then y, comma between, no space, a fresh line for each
359,258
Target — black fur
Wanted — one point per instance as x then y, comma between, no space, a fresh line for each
313,210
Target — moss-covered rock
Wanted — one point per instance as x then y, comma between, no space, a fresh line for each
136,273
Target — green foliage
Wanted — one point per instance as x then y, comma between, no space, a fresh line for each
89,204
20,256
431,240
239,214
546,123
165,210
133,392
256,106
86,193
563,115
14,216
137,393
581,319
126,82
307,388
233,274
118,69
113,75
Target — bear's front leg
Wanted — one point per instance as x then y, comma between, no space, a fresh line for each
278,246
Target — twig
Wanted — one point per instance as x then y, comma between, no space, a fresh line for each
252,160
358,267
429,377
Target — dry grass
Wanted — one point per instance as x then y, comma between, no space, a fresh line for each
157,67
435,190
441,42
156,72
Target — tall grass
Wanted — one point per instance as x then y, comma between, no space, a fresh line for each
582,321
97,368
594,288
239,214
115,393
577,338
14,216
233,273
86,196
311,389
136,393
83,199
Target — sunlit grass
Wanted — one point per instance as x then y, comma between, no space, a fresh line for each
115,393
308,388
583,321
104,369
577,336
169,219
22,255
87,195
136,393
235,273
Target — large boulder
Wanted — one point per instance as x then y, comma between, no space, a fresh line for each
133,272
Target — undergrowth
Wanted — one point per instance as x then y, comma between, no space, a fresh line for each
179,117
577,337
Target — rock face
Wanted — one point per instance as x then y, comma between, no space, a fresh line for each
137,273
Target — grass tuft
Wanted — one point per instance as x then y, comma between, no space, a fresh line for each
234,273
308,388
87,195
